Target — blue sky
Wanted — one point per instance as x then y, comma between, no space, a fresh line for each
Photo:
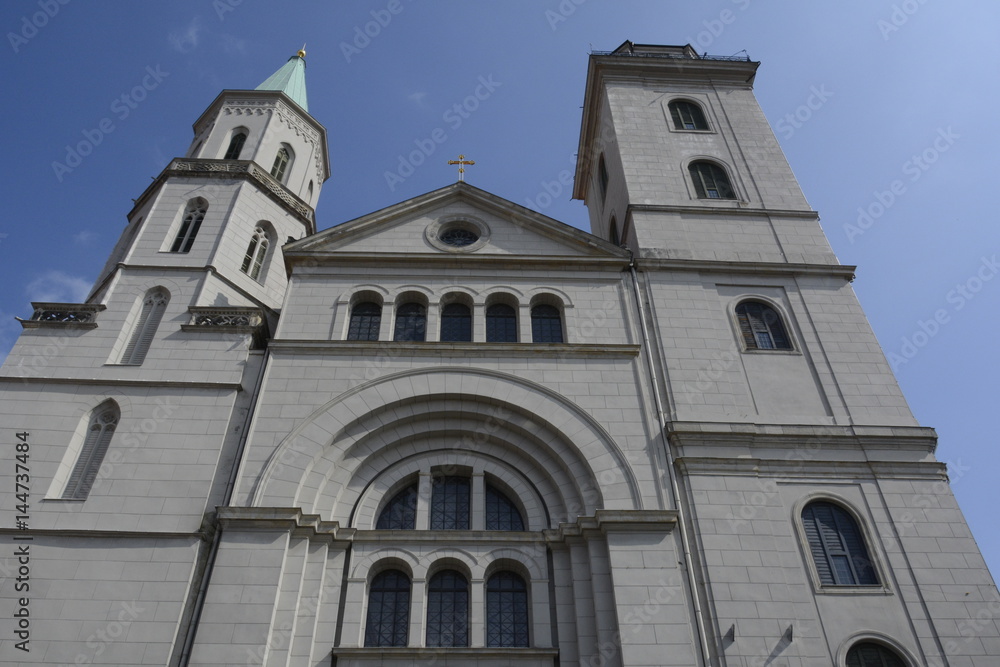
885,109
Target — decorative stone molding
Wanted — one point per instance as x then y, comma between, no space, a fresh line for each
233,319
290,118
63,315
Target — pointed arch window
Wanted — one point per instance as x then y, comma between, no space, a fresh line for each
710,181
194,214
870,654
837,546
388,618
456,323
506,610
687,116
253,260
154,304
366,320
501,512
411,322
602,176
281,163
546,324
103,422
448,609
400,513
235,146
501,324
450,503
761,327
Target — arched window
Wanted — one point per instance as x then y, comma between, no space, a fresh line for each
235,146
546,324
411,322
870,654
388,609
456,323
103,422
501,324
194,213
506,610
710,181
450,503
501,513
761,327
366,319
309,194
154,304
687,116
400,513
448,609
602,176
281,162
837,546
253,260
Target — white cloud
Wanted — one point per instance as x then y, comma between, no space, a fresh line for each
186,40
58,287
84,237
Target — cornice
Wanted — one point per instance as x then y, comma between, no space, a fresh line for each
449,350
846,271
411,260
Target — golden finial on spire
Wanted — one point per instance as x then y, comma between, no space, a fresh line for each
302,51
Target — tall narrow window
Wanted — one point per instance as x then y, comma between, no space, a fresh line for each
687,116
388,618
280,166
103,421
501,513
235,146
194,213
870,654
761,327
253,260
501,324
546,324
400,513
450,503
154,304
602,177
837,546
448,609
456,323
309,194
506,610
710,181
411,322
613,233
366,320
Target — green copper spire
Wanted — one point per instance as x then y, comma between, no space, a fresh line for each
290,79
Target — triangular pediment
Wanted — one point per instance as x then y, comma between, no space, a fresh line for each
419,227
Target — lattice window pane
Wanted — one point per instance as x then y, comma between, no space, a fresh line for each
411,321
450,503
194,214
280,164
546,324
761,327
448,610
456,323
501,324
103,422
501,513
253,260
366,320
401,512
687,116
506,610
710,181
388,617
235,146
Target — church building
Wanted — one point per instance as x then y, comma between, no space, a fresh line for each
457,432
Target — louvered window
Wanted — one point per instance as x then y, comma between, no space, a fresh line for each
400,513
456,323
280,166
546,324
366,320
837,546
388,618
256,252
501,513
235,146
761,327
448,610
194,213
450,503
687,116
501,324
506,610
869,654
154,304
103,422
710,181
411,322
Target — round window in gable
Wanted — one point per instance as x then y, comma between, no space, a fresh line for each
457,237
459,233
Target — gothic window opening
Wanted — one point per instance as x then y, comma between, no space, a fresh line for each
366,320
103,422
253,260
501,324
281,162
456,323
448,609
602,177
687,116
450,503
546,324
154,304
710,181
837,546
870,654
388,619
613,234
501,512
411,323
400,513
235,146
761,327
194,214
506,610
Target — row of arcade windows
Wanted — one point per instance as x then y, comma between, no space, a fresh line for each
451,507
194,215
282,159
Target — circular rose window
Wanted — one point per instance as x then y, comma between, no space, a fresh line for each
458,237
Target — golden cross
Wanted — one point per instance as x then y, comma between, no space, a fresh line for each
461,162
